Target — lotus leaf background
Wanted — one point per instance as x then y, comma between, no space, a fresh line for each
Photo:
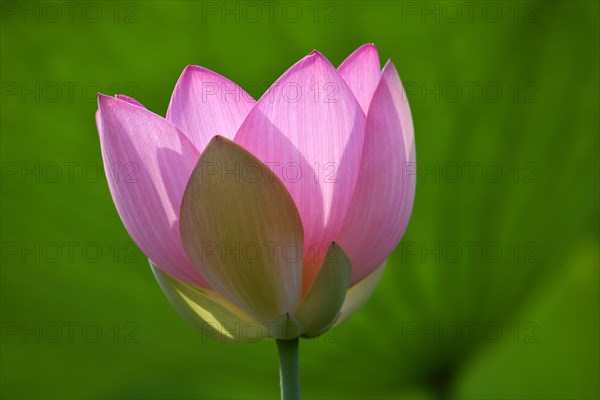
493,292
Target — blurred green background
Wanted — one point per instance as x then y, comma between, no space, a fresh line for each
493,292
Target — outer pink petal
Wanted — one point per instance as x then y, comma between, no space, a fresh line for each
148,163
385,189
362,72
308,128
205,104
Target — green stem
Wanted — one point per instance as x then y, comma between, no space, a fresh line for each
289,371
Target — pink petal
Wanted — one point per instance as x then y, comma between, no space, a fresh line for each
362,72
148,163
308,128
205,104
385,189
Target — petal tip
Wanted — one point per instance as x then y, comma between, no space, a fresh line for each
368,46
360,52
105,100
197,69
389,71
130,100
389,64
316,56
218,140
187,73
190,68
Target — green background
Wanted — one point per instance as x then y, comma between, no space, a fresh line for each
523,324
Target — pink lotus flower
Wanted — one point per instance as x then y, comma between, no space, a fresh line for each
244,206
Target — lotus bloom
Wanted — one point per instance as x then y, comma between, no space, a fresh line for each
269,218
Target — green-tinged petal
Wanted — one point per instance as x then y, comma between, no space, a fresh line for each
241,229
358,294
208,312
323,301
